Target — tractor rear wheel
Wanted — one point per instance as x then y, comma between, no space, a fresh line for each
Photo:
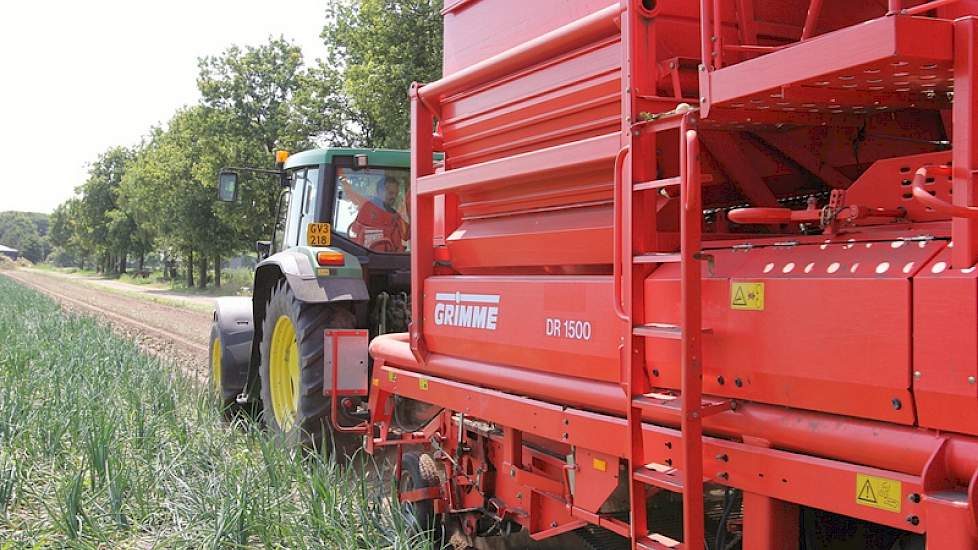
292,365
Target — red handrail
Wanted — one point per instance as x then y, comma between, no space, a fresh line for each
763,215
920,194
916,10
811,19
617,271
691,321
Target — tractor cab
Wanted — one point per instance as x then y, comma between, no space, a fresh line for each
342,200
361,193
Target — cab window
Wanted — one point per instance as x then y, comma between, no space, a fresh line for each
298,182
281,220
372,208
307,210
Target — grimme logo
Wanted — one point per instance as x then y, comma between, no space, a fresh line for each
466,310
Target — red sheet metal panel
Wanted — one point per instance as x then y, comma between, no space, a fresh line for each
558,239
833,333
550,324
475,31
946,346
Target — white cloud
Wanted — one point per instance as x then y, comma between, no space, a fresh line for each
79,77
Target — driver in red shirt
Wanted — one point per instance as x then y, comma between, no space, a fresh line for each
380,212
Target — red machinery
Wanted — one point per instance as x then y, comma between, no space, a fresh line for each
677,247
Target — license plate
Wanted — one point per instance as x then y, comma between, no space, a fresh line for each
318,234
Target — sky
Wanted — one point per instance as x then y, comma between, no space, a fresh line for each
80,76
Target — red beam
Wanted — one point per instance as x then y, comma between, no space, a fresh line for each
804,157
786,476
728,150
564,158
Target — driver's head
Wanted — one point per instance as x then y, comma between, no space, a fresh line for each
388,188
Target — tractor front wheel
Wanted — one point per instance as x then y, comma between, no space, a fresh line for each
218,379
292,365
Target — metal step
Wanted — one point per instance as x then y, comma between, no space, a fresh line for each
665,182
662,330
658,258
669,479
656,184
657,542
670,404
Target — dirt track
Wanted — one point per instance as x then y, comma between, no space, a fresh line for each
179,334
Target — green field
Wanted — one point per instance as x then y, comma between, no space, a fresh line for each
102,446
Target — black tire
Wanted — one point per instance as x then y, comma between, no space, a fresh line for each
419,471
309,320
225,391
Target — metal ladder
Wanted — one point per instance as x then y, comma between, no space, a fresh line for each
689,479
638,249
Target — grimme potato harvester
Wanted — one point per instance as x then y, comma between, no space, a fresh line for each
676,251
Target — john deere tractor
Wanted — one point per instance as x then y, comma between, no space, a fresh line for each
334,274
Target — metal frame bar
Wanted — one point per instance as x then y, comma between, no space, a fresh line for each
751,466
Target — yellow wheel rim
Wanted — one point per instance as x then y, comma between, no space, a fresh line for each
283,373
216,366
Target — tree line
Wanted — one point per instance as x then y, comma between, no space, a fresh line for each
27,233
158,198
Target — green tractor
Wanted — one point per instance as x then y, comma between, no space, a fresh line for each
335,273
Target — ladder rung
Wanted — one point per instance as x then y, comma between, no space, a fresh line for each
657,184
658,258
670,480
657,542
710,409
670,404
666,182
659,330
662,330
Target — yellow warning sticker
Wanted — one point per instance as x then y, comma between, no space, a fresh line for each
423,384
391,377
747,296
599,465
879,492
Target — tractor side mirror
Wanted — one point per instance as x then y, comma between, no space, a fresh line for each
227,186
264,249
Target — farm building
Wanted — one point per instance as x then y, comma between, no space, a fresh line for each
11,253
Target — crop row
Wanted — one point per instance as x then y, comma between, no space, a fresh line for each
102,446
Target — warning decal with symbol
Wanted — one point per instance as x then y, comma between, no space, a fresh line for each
879,492
747,296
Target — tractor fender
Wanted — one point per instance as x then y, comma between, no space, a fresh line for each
298,270
233,316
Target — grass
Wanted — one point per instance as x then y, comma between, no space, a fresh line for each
102,446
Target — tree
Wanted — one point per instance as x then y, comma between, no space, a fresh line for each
257,85
100,229
25,231
377,48
257,100
171,188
